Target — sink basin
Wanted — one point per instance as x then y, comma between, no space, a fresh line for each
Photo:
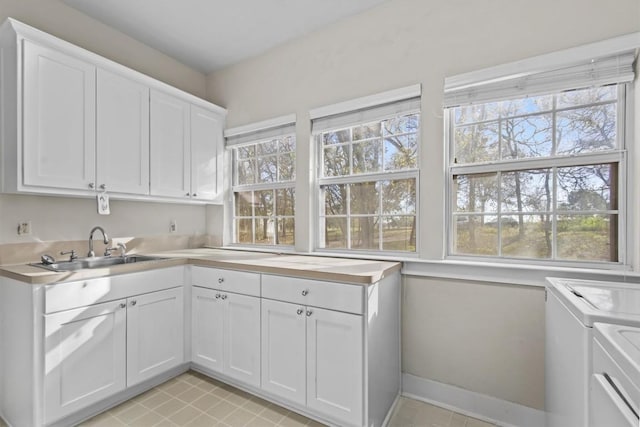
94,262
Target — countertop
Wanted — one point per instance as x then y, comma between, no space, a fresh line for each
347,270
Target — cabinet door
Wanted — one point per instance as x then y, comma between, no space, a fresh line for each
170,138
84,357
123,134
207,328
59,119
242,338
155,334
206,153
335,364
284,350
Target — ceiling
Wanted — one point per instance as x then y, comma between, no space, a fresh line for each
208,35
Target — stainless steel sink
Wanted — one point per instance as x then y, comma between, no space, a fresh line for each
94,262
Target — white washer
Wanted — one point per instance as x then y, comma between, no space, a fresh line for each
572,307
615,383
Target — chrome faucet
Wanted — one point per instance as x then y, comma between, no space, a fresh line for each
105,239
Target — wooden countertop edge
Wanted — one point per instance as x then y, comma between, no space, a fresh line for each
38,276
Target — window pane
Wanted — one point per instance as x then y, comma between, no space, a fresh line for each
587,129
335,233
524,106
335,199
244,229
400,125
286,230
527,137
477,113
588,237
268,169
246,152
336,137
527,191
268,147
574,98
401,152
287,167
476,193
336,160
264,231
285,201
475,235
585,188
367,131
399,196
476,143
526,236
246,171
364,233
287,144
365,198
399,233
367,156
244,203
263,203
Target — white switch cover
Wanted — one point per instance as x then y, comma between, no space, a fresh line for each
24,228
173,226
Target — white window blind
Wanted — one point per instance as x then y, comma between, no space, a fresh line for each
597,64
260,131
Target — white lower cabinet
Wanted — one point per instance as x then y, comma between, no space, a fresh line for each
85,357
226,333
314,357
94,352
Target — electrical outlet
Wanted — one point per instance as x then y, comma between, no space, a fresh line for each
173,226
24,228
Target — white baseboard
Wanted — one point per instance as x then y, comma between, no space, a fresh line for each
472,404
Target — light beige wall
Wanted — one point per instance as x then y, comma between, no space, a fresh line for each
66,218
484,338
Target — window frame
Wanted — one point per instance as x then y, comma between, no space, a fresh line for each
619,155
375,177
263,186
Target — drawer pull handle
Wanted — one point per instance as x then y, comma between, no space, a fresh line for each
299,311
309,313
217,296
223,297
305,292
134,302
123,305
221,279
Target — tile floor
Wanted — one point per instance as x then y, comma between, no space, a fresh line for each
193,400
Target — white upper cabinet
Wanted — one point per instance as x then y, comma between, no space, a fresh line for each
170,140
206,153
122,134
75,123
59,119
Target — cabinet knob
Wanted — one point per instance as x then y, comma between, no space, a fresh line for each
92,185
299,311
188,194
103,186
224,296
134,302
195,194
220,279
305,292
217,296
309,313
123,305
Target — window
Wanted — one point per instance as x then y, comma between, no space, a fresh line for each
539,177
263,187
368,179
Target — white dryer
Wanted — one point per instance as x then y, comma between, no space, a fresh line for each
572,307
614,399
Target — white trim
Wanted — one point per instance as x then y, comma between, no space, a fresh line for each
381,98
258,126
501,271
472,404
554,60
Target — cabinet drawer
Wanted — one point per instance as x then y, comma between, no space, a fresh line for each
334,296
63,296
240,282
